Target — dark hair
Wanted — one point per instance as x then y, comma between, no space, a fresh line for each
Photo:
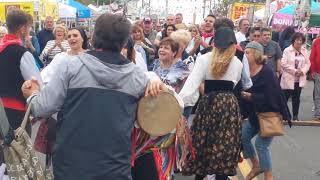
243,19
211,15
223,22
254,29
83,35
111,32
265,29
15,19
296,36
173,44
286,35
131,53
165,30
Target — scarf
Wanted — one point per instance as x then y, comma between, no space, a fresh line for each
206,35
9,39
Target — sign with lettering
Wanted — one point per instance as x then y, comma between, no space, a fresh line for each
28,7
281,21
241,9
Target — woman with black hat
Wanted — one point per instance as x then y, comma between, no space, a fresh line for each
78,42
217,124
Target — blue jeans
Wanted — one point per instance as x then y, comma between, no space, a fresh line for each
262,146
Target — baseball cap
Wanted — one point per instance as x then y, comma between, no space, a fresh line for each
224,37
255,45
147,19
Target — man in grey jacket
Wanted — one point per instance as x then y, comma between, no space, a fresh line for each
96,96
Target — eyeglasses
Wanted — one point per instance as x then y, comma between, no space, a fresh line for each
256,35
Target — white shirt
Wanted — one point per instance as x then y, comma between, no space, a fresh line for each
29,68
190,45
56,62
141,62
240,37
202,72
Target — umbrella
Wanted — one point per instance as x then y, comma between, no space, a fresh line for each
315,7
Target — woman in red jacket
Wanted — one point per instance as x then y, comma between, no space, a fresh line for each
315,73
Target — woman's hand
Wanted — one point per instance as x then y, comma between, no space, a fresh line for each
154,87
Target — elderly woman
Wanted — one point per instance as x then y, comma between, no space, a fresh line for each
54,47
171,70
148,164
295,64
217,125
264,96
183,37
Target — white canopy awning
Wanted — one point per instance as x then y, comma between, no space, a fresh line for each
66,11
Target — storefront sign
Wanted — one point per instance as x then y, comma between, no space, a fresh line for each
241,9
7,6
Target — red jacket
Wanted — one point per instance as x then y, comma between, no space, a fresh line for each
315,57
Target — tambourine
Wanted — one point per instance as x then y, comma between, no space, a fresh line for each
159,115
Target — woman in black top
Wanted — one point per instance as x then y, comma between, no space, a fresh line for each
264,96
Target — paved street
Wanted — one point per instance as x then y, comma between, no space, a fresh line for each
296,155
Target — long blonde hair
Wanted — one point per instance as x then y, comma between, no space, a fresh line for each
221,59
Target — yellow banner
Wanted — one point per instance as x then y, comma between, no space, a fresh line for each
5,6
241,9
49,8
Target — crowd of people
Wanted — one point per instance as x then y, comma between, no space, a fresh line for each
224,75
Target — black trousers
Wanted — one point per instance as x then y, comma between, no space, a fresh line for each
145,168
295,95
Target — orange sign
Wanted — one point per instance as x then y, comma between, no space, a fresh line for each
241,9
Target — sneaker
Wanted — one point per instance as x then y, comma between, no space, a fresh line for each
295,118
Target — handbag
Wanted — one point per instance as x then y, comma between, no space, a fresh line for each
20,157
271,124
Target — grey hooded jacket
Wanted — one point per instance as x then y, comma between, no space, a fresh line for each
95,95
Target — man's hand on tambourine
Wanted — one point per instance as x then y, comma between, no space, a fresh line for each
29,87
154,87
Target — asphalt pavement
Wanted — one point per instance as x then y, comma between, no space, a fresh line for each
295,156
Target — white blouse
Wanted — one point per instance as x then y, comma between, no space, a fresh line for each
141,62
57,61
202,72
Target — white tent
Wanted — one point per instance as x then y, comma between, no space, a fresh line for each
66,11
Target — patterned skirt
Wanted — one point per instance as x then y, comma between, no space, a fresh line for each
216,133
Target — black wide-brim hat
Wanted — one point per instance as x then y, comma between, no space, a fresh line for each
224,37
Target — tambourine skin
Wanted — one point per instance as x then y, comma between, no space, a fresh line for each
159,115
